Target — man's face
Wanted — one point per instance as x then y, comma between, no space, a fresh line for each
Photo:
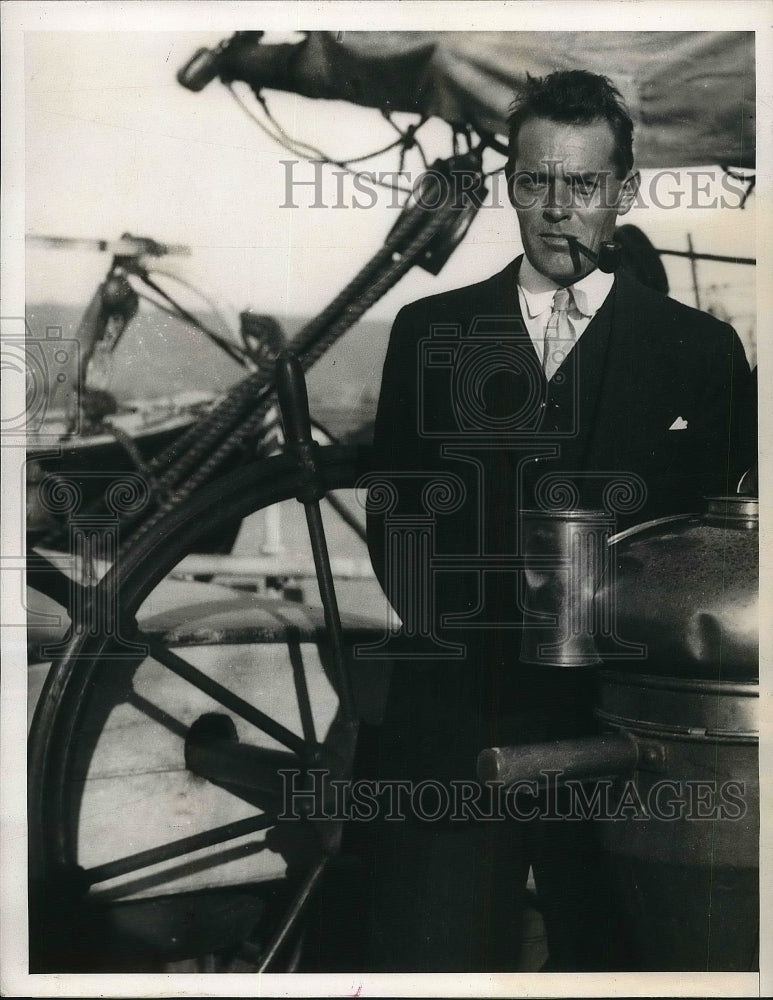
566,185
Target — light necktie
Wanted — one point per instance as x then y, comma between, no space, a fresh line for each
559,334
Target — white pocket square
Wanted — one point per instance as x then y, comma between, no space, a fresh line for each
680,424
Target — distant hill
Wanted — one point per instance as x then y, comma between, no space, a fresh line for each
160,356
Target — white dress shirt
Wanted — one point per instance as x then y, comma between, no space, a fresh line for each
535,295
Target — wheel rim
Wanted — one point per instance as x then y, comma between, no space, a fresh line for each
60,741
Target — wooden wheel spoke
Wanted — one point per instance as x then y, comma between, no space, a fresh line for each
177,848
154,879
157,714
293,913
226,698
347,516
302,691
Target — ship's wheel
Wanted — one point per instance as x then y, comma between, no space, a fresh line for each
159,825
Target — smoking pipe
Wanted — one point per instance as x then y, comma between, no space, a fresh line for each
608,259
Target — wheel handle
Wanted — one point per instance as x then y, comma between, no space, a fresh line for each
294,407
293,400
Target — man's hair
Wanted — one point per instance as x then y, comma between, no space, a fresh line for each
573,97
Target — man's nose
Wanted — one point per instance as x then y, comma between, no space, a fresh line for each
557,202
555,213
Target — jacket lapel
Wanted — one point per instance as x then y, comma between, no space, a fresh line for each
610,359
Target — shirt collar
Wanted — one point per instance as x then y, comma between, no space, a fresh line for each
538,291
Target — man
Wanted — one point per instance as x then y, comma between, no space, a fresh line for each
551,375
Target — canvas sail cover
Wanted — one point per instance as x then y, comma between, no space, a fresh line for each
691,94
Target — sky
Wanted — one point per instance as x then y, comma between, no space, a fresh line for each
115,144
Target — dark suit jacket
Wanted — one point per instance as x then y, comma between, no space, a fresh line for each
463,394
468,433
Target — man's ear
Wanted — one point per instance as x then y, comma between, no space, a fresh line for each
628,192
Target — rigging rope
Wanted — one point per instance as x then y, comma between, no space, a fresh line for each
241,415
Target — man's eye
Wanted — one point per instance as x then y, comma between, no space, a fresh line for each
531,181
582,185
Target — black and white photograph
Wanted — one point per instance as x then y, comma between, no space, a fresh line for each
383,595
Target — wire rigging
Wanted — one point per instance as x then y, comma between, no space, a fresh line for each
749,180
406,140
